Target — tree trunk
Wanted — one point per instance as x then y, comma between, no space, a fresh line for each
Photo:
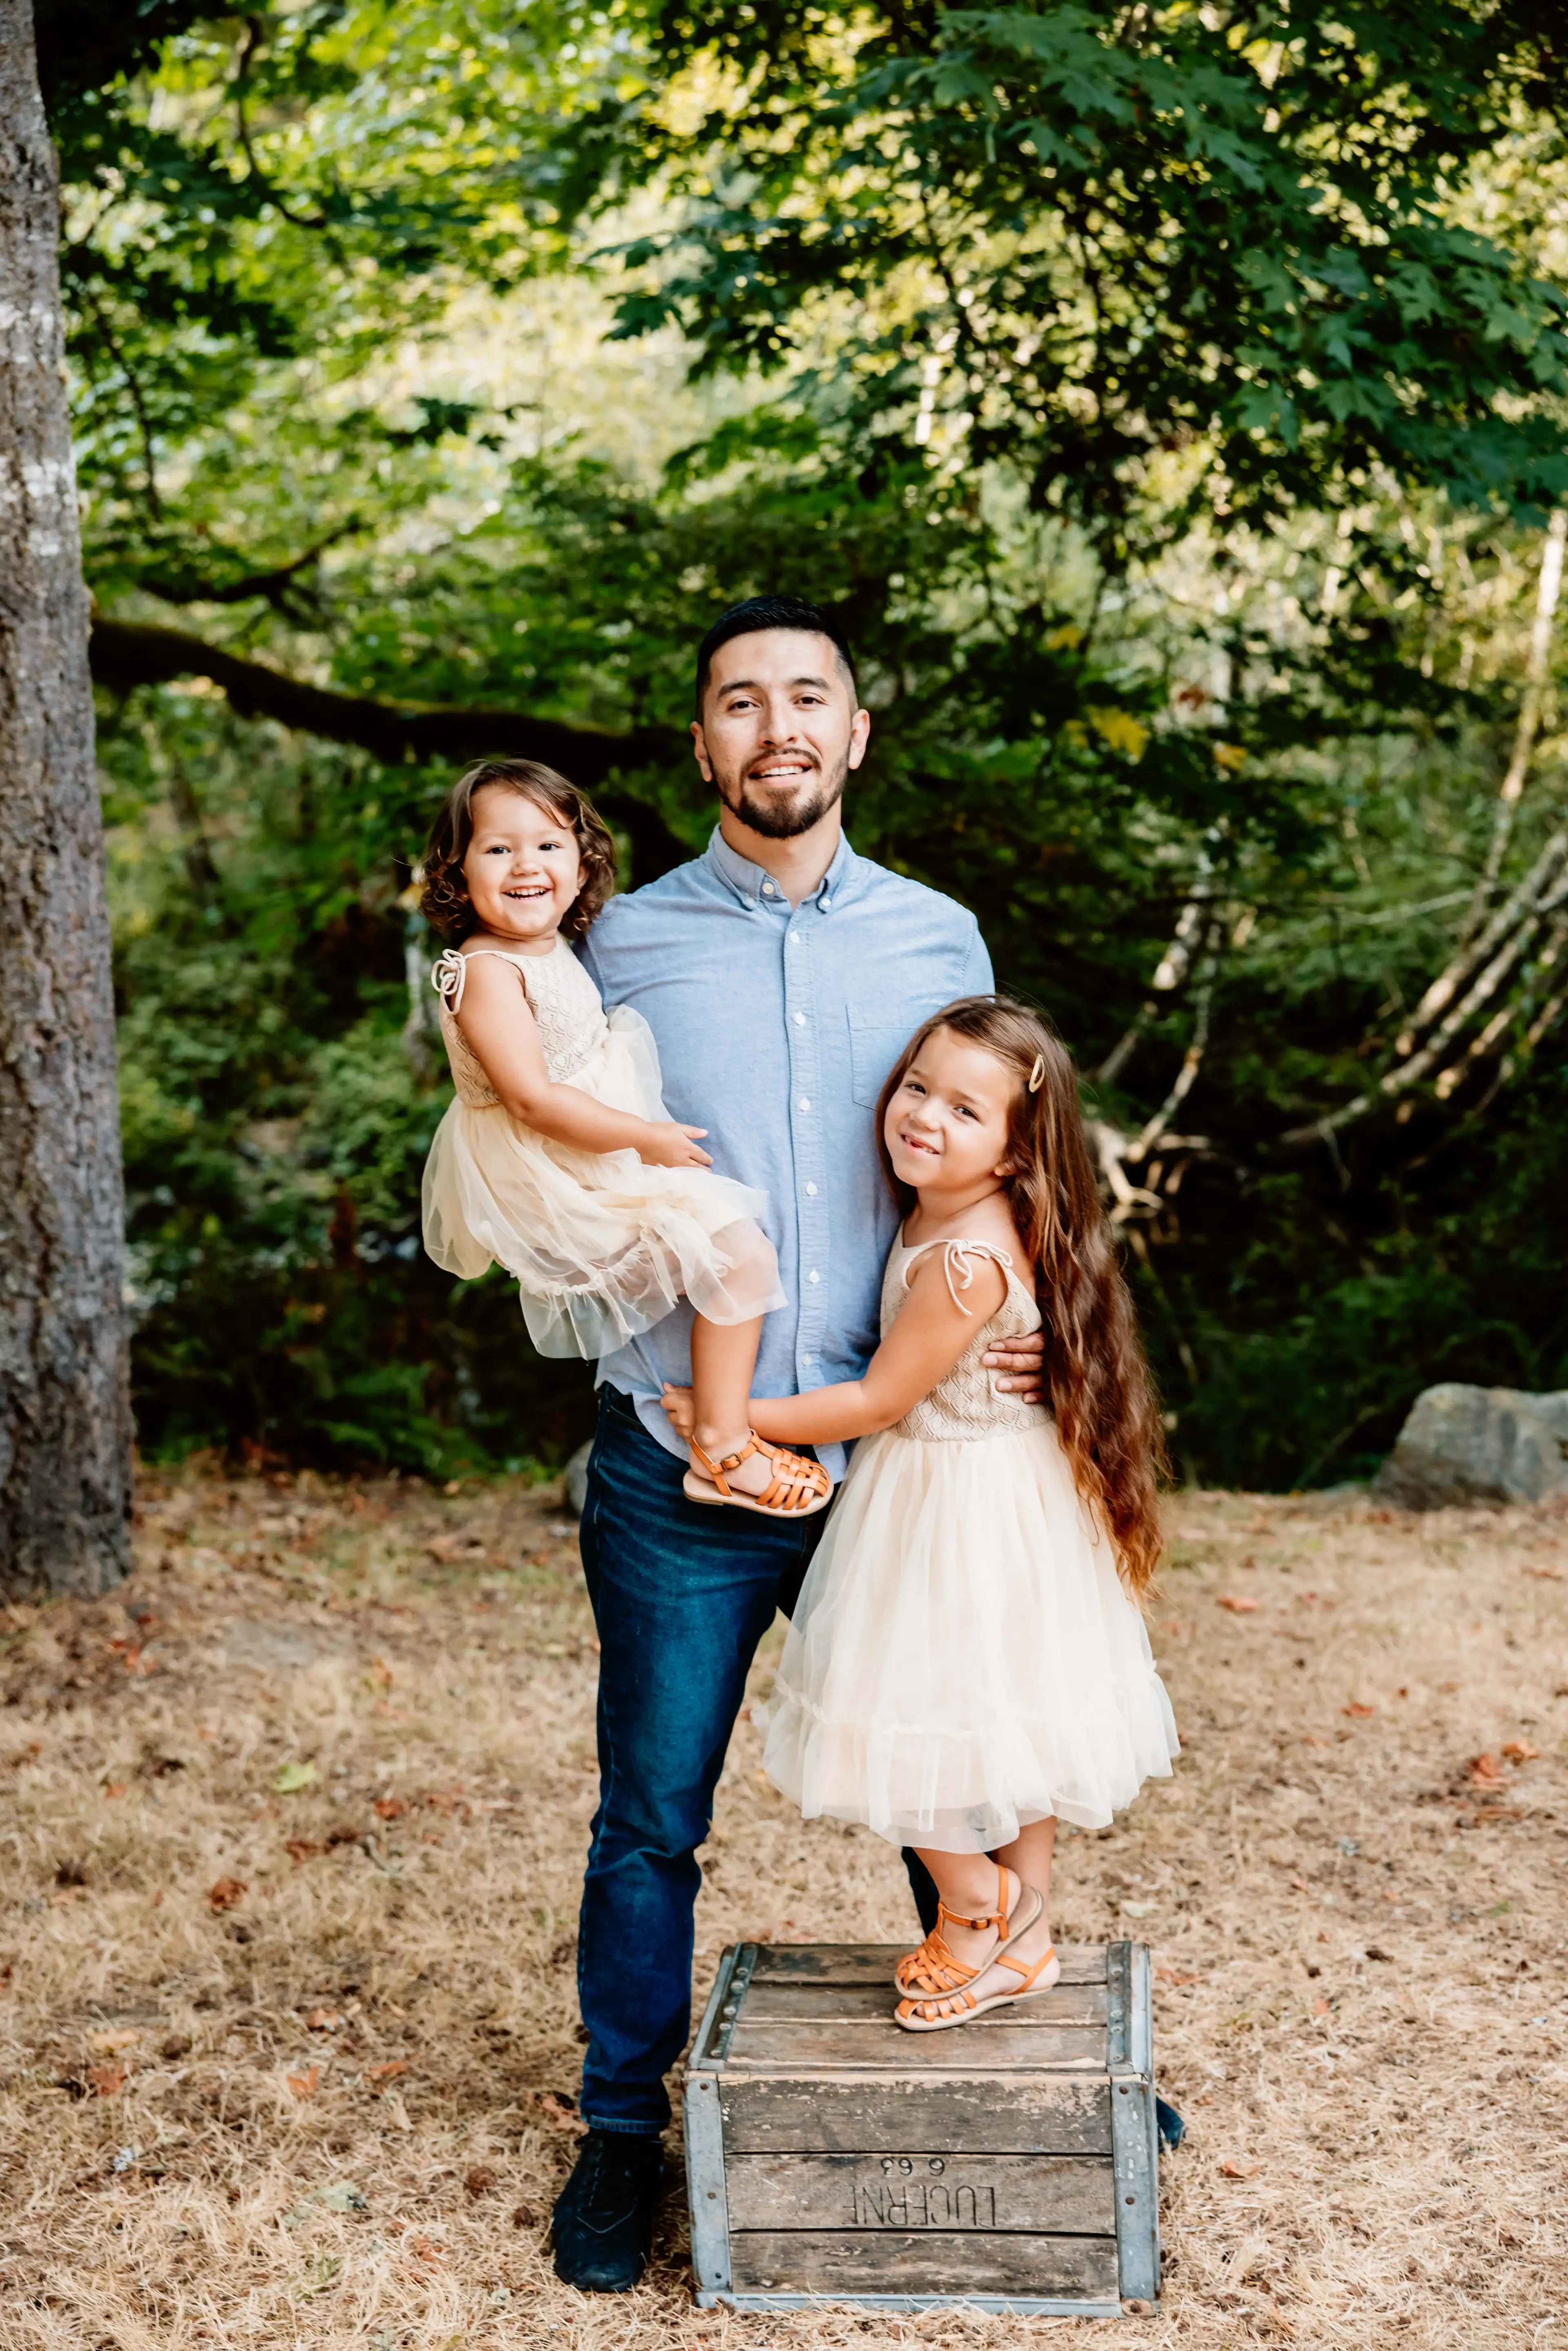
65,1410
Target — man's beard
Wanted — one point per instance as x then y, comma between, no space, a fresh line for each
777,816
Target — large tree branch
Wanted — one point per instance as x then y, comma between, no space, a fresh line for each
126,653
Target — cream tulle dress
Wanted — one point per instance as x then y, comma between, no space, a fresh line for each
964,1658
602,1246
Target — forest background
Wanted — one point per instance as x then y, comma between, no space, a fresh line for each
1171,402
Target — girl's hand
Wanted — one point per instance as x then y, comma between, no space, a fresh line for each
677,1403
669,1144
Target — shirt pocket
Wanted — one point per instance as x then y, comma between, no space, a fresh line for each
877,1041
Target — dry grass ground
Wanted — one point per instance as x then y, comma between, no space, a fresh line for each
295,2068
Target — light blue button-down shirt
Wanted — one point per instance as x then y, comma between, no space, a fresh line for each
776,1029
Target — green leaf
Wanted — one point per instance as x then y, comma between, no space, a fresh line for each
292,1777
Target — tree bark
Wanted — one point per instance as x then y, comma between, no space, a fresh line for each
65,1411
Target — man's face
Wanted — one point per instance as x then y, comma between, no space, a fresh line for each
779,730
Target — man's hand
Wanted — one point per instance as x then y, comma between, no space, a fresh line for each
672,1146
1021,1361
677,1403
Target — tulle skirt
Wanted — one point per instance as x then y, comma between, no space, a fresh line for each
602,1246
964,1659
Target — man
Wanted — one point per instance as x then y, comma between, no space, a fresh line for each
780,974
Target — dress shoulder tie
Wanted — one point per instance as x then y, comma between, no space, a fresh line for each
959,1257
449,973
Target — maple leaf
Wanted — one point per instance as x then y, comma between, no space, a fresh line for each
226,1893
305,2085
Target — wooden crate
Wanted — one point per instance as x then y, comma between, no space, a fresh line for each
1010,2165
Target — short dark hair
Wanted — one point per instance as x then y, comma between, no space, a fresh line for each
760,612
444,902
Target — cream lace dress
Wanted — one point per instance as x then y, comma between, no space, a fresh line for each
963,1657
602,1246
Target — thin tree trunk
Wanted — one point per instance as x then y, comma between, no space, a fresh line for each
65,1413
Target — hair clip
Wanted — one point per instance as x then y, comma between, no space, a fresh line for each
1036,1075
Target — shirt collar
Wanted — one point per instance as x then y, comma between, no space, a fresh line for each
746,879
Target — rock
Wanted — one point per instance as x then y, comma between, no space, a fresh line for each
1478,1444
577,1479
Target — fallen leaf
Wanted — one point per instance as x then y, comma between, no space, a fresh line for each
106,2081
1355,1707
557,2111
524,2216
1377,1951
290,1778
422,2249
387,2071
449,1800
1545,1574
109,2043
323,2019
380,1675
479,2180
443,1548
1239,2170
1300,1886
176,2046
226,1893
1320,2008
1241,1604
114,1788
305,2085
390,1808
1176,1975
302,1848
1520,1751
1485,1770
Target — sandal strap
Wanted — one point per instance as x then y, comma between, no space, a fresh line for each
1022,1967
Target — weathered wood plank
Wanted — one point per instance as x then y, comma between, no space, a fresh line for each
810,2261
858,1963
886,2048
1058,2194
1052,2114
818,2004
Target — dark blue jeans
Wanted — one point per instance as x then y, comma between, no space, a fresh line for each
682,1596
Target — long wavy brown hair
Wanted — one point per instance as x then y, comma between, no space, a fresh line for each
444,902
1107,1415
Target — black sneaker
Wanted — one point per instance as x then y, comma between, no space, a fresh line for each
605,2215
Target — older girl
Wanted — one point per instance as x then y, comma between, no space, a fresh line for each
967,1664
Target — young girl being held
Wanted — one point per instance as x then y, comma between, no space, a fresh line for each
967,1663
556,1159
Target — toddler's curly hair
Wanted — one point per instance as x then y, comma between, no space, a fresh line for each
445,904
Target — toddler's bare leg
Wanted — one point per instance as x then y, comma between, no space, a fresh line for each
724,1357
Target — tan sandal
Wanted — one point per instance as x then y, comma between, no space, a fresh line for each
933,1970
797,1490
961,2007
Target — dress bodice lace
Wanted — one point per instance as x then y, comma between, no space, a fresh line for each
966,1404
564,1001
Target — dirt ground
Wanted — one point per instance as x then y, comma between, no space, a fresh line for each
292,1832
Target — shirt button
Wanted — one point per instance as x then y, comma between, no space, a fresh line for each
810,1191
805,1101
813,1274
808,1361
794,938
799,1020
768,889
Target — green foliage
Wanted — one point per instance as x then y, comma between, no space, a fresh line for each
1166,399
